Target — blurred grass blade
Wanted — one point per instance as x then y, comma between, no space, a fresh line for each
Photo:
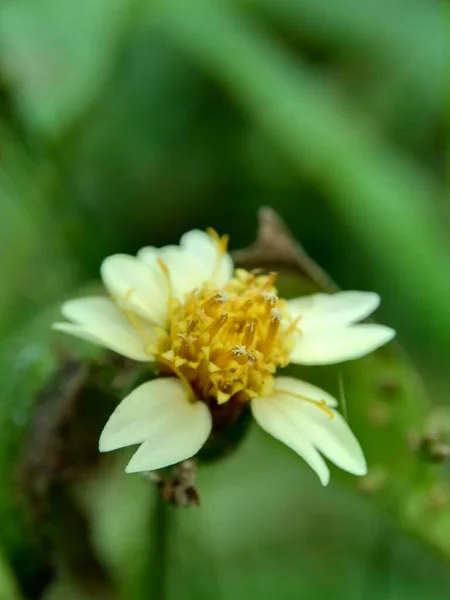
381,193
8,586
407,37
34,250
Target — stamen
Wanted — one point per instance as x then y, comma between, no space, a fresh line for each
192,325
191,305
230,341
184,349
222,242
270,298
128,294
187,343
271,278
275,321
249,333
240,354
134,320
165,269
250,277
224,359
201,313
136,323
222,245
275,315
321,404
293,326
216,325
247,306
239,350
179,373
237,374
213,302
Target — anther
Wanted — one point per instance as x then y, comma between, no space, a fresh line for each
274,325
270,297
239,353
249,332
239,350
216,325
271,278
215,300
275,315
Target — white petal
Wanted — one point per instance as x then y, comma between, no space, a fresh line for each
77,331
187,271
136,286
272,417
159,415
201,245
323,311
302,388
291,419
99,320
332,437
339,344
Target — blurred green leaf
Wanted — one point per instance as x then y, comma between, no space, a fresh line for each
33,246
120,509
8,586
26,363
57,55
29,359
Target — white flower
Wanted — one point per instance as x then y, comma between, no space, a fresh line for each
219,336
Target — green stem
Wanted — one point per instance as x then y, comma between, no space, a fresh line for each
159,568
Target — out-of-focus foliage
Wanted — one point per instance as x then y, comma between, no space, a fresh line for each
127,122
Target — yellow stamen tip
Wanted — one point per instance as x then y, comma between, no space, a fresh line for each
325,408
163,266
222,397
178,361
213,233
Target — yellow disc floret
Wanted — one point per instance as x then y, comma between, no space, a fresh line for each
229,342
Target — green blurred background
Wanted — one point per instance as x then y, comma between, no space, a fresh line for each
127,122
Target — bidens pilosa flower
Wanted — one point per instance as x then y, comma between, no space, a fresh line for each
219,336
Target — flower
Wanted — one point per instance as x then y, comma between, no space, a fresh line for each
218,336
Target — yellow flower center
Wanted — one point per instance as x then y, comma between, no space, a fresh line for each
229,342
